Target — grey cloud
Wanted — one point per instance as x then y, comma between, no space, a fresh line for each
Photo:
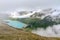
28,4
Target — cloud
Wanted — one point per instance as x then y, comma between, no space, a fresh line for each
50,31
28,4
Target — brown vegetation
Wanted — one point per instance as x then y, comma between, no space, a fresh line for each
9,33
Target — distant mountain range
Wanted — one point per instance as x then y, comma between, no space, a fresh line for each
38,14
49,17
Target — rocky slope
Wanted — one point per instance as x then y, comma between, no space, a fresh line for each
38,13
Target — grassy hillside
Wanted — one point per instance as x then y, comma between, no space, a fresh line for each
34,23
10,33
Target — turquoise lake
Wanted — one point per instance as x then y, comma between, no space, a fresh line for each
15,24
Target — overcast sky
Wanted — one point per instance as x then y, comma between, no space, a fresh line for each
10,5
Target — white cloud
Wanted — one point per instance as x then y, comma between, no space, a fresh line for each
53,31
28,4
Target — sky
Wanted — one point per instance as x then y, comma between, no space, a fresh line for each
11,5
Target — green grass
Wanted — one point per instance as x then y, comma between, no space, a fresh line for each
34,23
10,33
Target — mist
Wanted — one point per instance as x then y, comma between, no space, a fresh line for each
50,31
11,5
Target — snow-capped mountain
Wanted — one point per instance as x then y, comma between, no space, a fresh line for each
54,14
50,31
24,14
48,14
21,14
38,14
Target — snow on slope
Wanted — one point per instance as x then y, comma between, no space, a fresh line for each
46,12
17,15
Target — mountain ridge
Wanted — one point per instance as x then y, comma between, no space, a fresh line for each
9,33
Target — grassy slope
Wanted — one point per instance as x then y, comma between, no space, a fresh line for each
9,33
34,23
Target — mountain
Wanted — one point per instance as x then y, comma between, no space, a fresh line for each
21,14
44,18
9,33
37,14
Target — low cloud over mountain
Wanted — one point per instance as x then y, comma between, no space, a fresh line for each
49,14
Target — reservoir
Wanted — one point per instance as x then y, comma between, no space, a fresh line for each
15,24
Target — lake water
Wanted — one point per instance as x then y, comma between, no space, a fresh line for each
15,24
